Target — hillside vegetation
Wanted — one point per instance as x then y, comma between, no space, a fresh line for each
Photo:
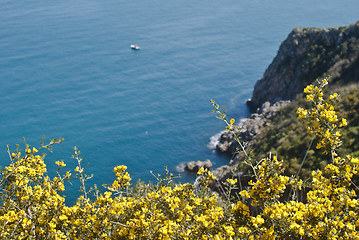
285,135
306,55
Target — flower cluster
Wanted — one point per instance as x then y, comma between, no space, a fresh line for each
324,120
205,177
269,184
122,179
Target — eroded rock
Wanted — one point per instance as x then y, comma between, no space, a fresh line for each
194,166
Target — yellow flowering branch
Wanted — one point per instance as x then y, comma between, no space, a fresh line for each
324,122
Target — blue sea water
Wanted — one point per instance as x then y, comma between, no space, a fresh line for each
67,70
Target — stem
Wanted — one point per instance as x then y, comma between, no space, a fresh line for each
305,157
301,165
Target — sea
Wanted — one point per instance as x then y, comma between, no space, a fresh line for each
67,70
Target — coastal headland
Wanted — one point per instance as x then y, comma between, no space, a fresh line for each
307,54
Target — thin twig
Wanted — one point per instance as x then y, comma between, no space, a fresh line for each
121,224
301,165
305,157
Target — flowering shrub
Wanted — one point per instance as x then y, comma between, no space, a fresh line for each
32,206
325,122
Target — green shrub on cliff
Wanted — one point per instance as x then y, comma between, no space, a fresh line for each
286,137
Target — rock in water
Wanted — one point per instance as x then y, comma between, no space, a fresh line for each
194,166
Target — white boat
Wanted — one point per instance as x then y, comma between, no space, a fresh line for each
135,47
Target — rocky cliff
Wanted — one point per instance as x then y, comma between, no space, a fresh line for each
308,54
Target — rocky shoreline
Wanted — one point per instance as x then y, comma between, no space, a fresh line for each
306,55
249,128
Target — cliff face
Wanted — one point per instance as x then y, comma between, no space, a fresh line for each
308,54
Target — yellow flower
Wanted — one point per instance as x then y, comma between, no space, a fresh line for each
60,163
63,217
308,89
301,231
334,96
355,160
231,181
343,123
201,171
257,220
244,194
52,225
